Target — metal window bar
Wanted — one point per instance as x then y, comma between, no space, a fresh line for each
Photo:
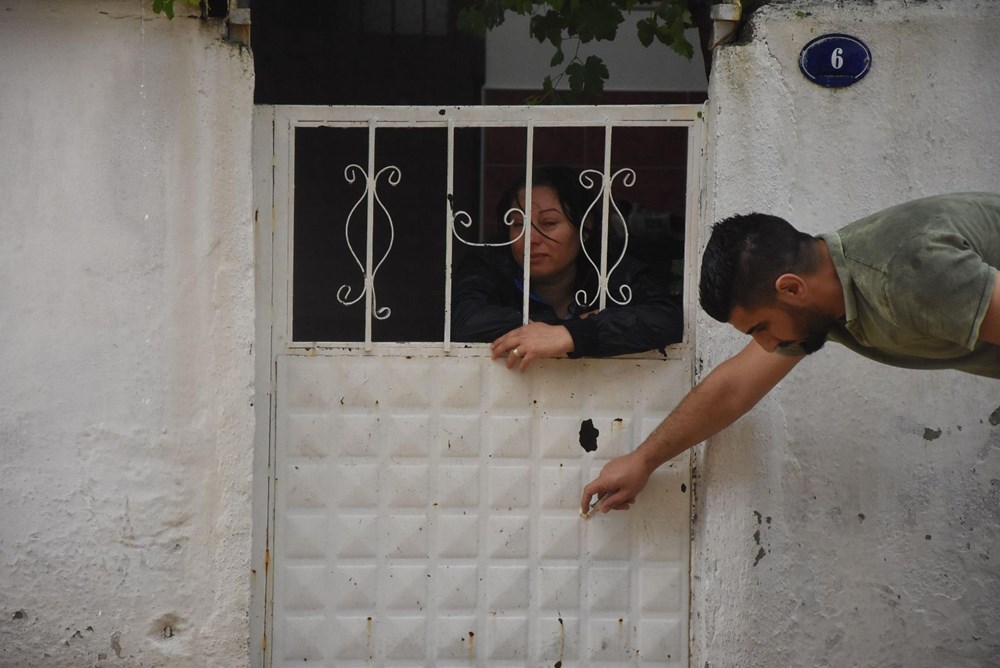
482,117
529,169
606,179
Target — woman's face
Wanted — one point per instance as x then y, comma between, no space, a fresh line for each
555,241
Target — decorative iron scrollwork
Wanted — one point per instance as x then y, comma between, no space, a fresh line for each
588,181
465,220
351,174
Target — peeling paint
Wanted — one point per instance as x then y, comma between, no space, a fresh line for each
761,551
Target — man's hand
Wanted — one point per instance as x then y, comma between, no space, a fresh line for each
622,479
732,389
529,342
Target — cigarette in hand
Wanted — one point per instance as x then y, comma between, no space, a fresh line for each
595,506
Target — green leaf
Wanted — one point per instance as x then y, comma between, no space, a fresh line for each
597,19
478,16
167,7
682,47
547,27
521,7
576,78
587,79
667,25
646,29
548,92
673,34
472,21
596,74
555,21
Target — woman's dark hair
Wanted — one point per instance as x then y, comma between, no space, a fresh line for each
573,197
744,257
563,180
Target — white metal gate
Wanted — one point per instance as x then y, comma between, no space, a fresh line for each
417,503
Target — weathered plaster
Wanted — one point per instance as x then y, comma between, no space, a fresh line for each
853,518
126,303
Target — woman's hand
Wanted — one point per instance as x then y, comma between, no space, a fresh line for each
529,342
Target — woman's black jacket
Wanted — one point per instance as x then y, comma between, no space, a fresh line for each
487,301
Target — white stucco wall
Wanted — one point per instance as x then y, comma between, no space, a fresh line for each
126,306
516,60
853,518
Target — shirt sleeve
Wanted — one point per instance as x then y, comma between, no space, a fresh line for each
938,285
651,320
481,306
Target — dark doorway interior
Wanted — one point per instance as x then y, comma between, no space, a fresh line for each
397,52
368,52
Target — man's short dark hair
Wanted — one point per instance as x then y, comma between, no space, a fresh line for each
744,257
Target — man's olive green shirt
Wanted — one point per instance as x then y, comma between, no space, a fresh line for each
918,279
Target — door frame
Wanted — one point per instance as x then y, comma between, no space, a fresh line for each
272,192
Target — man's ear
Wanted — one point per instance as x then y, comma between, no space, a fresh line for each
790,289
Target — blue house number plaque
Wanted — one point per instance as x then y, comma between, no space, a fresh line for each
835,61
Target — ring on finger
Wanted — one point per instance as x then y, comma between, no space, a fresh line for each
516,352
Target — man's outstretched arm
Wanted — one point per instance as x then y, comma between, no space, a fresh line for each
729,391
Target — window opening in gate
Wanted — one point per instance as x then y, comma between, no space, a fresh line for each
408,243
431,211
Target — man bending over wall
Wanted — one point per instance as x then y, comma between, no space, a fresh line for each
912,286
